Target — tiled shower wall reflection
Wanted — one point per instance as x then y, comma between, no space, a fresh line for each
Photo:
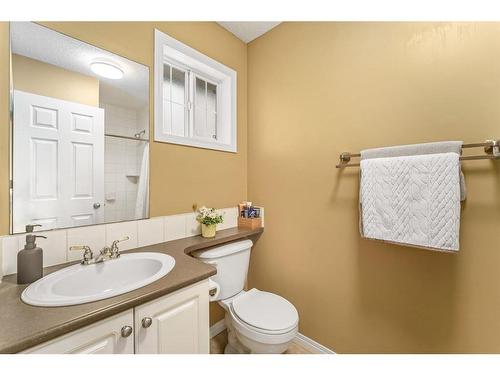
122,160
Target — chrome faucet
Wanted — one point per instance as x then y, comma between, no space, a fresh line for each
107,252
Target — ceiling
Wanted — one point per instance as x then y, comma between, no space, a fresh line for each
40,43
248,31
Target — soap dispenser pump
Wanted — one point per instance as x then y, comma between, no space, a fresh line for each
30,259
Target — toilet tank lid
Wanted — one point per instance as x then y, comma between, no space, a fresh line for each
220,251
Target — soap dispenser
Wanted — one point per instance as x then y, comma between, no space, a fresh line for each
30,259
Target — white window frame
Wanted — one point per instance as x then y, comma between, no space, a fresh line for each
170,51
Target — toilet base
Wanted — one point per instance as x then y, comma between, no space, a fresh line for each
240,344
233,344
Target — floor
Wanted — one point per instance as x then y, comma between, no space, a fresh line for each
218,343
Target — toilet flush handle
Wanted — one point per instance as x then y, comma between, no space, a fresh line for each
213,287
213,290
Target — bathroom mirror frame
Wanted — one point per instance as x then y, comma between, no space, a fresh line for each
11,133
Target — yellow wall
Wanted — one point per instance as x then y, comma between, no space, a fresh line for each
4,127
180,176
318,89
40,78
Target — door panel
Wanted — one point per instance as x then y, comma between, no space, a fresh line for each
103,337
46,223
179,323
83,168
44,172
82,123
85,219
58,162
44,117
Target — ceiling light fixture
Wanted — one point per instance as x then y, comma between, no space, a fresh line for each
106,70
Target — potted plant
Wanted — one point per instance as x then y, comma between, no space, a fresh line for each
209,218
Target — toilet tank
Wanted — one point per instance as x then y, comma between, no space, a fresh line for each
231,261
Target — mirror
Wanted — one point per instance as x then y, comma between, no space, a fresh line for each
80,132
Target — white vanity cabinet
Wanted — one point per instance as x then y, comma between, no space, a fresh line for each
177,324
172,324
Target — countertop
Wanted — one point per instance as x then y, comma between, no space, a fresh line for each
23,326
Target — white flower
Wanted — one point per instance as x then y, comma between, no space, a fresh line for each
209,216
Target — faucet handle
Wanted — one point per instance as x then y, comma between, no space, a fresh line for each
114,244
88,255
115,252
126,238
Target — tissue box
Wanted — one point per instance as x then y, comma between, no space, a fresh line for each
250,223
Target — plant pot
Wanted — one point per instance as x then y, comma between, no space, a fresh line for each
208,231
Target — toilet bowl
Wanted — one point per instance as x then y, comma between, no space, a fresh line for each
262,322
256,321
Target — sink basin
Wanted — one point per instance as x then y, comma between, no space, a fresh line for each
79,284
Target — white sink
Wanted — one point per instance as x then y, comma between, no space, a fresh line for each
79,284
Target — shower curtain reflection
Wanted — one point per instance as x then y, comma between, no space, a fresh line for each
142,203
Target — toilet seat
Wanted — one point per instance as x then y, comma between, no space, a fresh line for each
264,312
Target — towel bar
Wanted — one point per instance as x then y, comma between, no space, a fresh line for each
488,147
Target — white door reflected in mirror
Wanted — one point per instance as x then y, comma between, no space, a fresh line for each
62,143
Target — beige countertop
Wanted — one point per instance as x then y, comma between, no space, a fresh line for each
23,326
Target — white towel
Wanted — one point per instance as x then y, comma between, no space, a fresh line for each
413,200
420,149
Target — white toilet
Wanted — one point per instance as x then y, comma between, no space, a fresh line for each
256,321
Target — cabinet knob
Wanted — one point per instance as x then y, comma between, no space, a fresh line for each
146,322
126,331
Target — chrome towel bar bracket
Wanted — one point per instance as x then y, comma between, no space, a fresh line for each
491,150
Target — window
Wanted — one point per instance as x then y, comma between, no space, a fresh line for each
195,97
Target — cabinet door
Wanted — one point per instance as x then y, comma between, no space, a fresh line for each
104,337
178,323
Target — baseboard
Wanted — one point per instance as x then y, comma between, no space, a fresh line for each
217,328
304,341
311,345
